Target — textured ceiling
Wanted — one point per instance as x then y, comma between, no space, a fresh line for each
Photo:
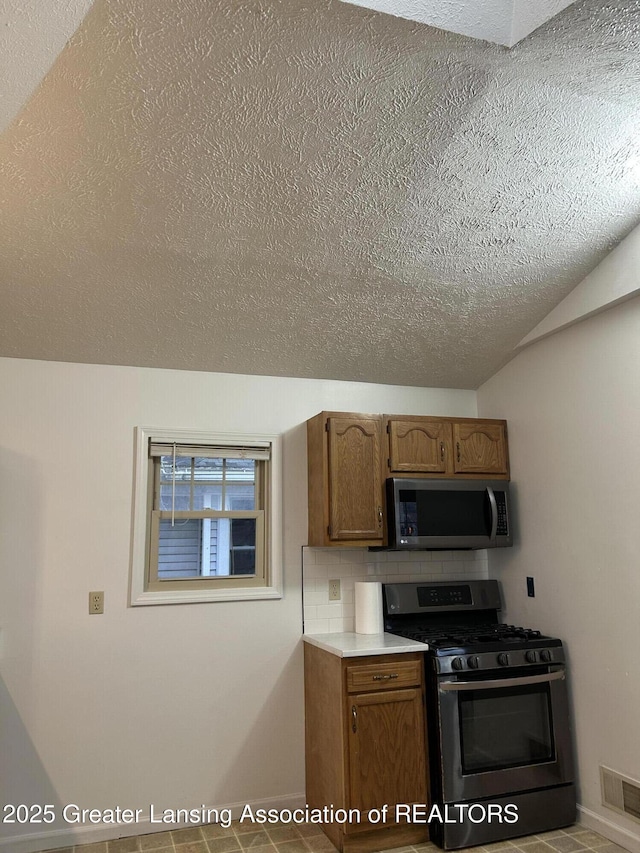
308,188
33,32
501,21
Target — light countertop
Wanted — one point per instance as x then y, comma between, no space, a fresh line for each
351,645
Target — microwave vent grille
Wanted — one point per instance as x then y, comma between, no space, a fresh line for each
620,793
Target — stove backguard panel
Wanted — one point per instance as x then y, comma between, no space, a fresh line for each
348,565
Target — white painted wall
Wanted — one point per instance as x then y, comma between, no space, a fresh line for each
572,402
175,706
614,280
32,34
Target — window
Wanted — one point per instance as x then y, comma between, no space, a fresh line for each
206,525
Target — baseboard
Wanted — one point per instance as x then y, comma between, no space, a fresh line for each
69,836
622,837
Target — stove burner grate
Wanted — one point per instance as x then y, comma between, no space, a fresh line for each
478,635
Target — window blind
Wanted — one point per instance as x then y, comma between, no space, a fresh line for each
258,451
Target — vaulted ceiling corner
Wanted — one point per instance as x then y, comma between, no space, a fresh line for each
311,188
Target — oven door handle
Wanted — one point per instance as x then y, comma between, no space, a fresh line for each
502,682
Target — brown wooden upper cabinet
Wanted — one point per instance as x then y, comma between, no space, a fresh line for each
430,446
480,447
346,479
419,445
350,455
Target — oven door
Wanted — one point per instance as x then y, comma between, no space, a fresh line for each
503,734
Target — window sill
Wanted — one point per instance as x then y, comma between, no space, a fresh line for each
195,596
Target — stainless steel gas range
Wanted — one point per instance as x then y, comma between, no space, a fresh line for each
500,752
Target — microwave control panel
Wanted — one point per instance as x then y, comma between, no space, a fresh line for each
501,506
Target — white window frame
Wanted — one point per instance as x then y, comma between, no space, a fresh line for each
142,487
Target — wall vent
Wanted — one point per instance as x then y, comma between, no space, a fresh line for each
620,793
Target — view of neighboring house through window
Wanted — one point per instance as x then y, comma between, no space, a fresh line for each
206,546
206,518
207,513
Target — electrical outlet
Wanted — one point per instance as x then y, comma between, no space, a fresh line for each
96,602
334,590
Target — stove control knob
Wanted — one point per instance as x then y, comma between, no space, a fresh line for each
457,663
473,661
531,656
503,659
545,655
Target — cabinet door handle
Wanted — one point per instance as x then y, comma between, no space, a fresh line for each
442,451
354,718
379,516
385,677
458,449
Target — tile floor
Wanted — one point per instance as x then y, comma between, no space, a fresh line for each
306,839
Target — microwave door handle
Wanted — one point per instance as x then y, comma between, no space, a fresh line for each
494,514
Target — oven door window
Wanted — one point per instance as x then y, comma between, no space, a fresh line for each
506,727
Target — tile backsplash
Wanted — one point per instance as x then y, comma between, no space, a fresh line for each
348,565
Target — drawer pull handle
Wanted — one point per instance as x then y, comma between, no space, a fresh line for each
385,677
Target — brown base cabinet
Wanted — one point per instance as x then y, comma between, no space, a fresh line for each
365,738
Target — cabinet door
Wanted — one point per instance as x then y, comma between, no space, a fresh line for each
355,479
419,445
480,448
387,761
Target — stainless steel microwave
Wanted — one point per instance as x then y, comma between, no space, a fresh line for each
448,514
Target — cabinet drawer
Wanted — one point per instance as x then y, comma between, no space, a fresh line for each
384,676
